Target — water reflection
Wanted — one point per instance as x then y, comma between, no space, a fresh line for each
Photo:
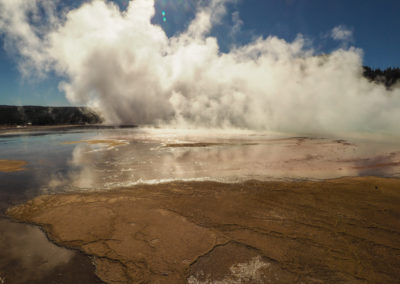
26,256
157,155
113,158
29,255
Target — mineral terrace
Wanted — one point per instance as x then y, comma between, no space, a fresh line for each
342,230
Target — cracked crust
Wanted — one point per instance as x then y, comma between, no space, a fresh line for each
343,230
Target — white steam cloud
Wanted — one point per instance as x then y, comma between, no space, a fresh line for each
127,67
342,33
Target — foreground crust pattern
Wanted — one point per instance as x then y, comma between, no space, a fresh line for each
343,230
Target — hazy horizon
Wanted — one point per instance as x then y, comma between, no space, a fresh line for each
198,64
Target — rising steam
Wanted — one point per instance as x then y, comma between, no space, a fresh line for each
129,69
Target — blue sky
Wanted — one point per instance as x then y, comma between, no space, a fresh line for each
375,26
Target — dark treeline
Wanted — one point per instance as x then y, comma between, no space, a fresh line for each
388,77
39,115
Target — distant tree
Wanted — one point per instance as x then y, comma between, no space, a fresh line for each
39,115
389,77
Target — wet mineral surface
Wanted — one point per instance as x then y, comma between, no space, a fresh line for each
8,166
339,230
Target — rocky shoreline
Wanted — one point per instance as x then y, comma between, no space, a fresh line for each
341,230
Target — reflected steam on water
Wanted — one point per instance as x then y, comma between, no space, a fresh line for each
30,255
26,255
155,155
